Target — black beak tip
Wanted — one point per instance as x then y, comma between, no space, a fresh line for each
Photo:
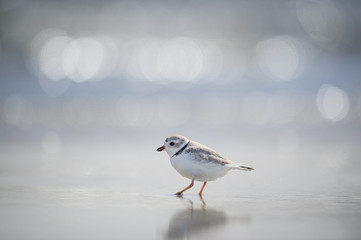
160,149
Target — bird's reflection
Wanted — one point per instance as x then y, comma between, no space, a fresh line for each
192,222
191,203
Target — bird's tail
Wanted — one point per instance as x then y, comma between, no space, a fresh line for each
241,167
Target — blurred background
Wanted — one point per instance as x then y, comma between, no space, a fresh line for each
80,78
90,89
275,84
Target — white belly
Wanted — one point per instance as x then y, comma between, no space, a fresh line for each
198,170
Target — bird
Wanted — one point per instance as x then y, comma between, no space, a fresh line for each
196,161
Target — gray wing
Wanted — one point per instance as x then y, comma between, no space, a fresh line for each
203,153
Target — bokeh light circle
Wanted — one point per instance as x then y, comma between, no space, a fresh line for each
280,58
82,58
50,61
174,60
332,102
322,20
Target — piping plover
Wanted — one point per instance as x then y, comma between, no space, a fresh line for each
196,161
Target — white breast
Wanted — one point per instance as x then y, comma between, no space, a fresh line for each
191,167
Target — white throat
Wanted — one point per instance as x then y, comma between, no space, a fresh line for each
177,151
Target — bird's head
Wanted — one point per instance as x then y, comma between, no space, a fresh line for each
173,144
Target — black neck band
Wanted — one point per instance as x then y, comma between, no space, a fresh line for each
181,150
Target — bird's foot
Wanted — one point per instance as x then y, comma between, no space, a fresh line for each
179,194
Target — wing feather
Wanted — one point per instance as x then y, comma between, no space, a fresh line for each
204,153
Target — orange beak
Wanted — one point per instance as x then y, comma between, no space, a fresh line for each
160,148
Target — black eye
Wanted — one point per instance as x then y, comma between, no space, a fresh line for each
171,143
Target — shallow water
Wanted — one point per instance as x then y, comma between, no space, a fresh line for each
93,213
105,188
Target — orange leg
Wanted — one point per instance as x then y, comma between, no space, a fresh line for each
204,184
181,192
